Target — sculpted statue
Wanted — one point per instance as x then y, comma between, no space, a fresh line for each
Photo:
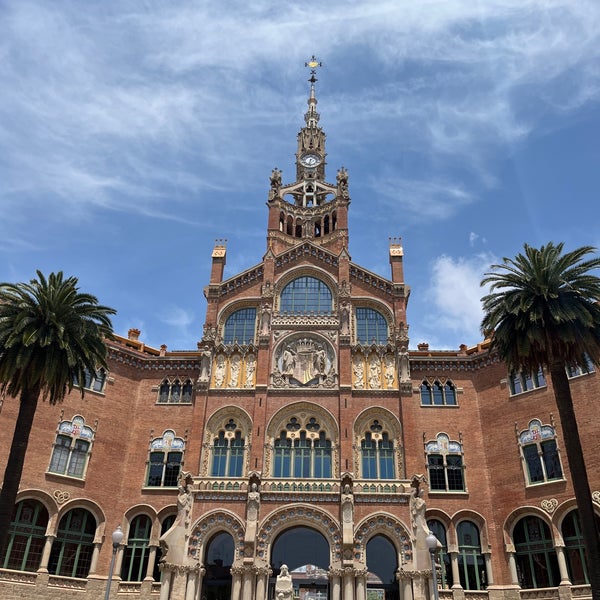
205,359
374,372
234,371
284,588
417,513
250,368
220,371
359,372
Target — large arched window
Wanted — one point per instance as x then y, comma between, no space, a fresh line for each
137,551
438,529
537,565
72,549
305,295
302,452
240,327
377,453
471,564
228,452
371,326
26,537
575,549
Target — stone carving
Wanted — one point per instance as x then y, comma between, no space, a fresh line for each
342,182
220,371
250,368
304,362
374,372
234,370
205,360
253,503
359,372
345,318
265,319
61,496
185,499
284,588
390,370
549,505
275,183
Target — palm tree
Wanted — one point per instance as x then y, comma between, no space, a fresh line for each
50,335
543,309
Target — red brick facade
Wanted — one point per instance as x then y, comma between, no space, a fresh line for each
349,387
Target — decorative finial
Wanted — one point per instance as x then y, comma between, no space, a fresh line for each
313,63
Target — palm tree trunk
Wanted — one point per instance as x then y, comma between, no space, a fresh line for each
581,487
16,459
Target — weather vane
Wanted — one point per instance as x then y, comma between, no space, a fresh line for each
313,63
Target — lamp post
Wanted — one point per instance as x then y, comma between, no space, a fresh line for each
117,538
432,545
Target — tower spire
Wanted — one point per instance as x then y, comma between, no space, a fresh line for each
312,116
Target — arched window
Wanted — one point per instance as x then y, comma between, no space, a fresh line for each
537,565
71,554
371,326
306,295
437,394
540,453
71,449
240,327
228,452
471,565
445,465
137,551
175,392
306,455
218,560
377,454
26,536
438,529
575,549
165,460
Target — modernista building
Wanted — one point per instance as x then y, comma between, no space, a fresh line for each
302,432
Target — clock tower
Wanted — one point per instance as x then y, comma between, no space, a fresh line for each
310,208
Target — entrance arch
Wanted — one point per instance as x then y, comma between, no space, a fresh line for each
220,551
382,565
306,553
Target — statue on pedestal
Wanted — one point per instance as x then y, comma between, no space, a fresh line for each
284,589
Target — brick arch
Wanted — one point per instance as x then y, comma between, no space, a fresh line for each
278,422
517,514
50,503
299,515
214,423
474,517
390,422
388,526
136,511
215,522
90,506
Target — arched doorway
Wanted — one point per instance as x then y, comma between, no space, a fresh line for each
382,564
216,583
306,553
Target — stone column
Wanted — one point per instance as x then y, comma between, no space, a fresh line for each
236,582
165,587
361,584
151,561
455,571
512,567
201,573
335,583
488,569
562,566
248,583
348,583
118,563
46,554
192,582
262,578
94,560
405,583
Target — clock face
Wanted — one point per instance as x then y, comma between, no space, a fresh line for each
310,160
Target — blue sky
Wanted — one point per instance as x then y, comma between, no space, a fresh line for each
133,134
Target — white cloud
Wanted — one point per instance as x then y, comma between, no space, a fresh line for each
455,293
